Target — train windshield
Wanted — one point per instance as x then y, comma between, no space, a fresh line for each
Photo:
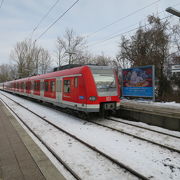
105,82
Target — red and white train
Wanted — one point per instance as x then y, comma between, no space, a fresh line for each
85,88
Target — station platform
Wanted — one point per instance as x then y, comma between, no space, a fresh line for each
151,113
20,157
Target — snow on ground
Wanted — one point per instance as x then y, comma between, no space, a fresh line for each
157,104
150,160
153,136
59,166
167,104
84,161
160,129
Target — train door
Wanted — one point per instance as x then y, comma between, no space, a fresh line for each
46,88
42,88
76,89
50,88
52,85
28,87
59,89
36,87
67,94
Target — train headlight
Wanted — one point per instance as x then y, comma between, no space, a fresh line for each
92,98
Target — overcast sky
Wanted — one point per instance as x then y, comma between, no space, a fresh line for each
18,18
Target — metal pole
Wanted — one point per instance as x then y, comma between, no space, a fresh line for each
153,78
173,11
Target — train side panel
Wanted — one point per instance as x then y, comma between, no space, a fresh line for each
76,88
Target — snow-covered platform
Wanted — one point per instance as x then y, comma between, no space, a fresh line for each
20,157
165,115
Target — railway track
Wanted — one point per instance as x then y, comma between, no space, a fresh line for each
114,127
149,129
40,139
161,144
120,164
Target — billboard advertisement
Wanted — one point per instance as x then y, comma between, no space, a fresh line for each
138,82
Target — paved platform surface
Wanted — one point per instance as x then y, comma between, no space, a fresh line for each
20,157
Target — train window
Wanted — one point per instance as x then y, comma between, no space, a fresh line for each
67,86
76,82
52,86
29,85
34,85
38,85
26,86
46,86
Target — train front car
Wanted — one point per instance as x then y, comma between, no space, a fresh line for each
102,89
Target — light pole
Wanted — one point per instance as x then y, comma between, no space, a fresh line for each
70,55
173,11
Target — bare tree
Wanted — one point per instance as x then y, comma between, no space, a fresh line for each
60,55
7,72
71,47
44,61
175,58
19,56
124,58
101,60
176,36
29,58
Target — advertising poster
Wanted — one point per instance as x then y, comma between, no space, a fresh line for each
138,82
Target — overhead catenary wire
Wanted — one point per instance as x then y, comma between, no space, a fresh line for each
119,34
42,19
122,18
136,24
57,19
95,43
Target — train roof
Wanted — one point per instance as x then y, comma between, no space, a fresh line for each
68,71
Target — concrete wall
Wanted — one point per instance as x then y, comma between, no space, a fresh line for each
156,119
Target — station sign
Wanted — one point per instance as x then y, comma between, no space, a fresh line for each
175,68
138,82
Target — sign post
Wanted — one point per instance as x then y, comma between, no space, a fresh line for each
175,68
139,82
